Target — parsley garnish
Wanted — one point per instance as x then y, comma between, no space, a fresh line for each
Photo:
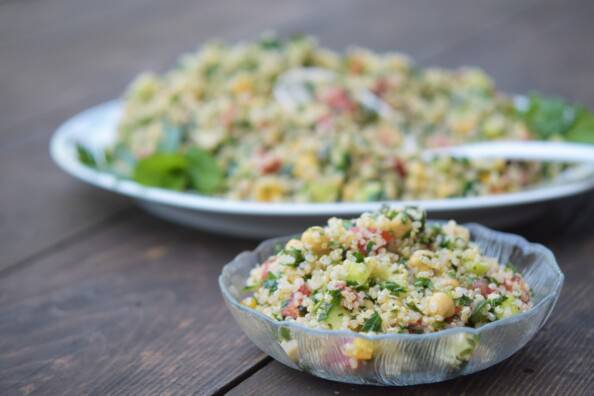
393,287
369,246
425,283
297,255
464,300
374,323
479,314
325,307
271,283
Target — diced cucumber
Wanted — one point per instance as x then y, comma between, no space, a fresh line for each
477,267
384,272
372,191
459,350
324,190
357,272
336,317
507,308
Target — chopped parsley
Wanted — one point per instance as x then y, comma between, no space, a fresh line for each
424,283
394,287
374,323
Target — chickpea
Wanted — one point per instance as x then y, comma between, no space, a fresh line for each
441,304
449,282
398,227
456,231
315,239
420,260
294,244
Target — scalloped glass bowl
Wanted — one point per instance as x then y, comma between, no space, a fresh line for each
402,359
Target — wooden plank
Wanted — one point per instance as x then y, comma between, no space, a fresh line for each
558,361
546,48
40,205
133,309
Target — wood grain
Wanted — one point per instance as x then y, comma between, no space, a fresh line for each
133,309
40,206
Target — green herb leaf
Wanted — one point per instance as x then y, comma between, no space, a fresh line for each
297,255
511,267
495,302
395,288
374,323
162,170
205,174
425,283
464,300
479,314
583,129
359,257
284,334
271,283
414,307
369,247
85,156
439,325
325,307
549,116
270,42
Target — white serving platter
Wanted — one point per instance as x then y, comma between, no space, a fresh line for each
96,129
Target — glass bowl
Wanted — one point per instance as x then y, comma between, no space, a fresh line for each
401,359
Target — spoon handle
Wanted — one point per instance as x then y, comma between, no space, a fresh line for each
521,150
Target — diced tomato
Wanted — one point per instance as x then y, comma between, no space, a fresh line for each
338,99
508,285
439,141
305,290
269,164
325,121
380,87
415,327
228,116
292,307
265,269
356,66
482,285
291,310
400,167
387,236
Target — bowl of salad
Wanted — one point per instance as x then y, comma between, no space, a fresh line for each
208,142
390,298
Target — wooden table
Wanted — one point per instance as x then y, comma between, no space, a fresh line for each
97,297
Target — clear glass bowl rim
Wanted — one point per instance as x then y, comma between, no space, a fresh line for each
547,257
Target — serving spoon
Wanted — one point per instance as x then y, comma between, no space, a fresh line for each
520,151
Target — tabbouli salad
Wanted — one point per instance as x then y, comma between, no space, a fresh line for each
212,125
386,272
